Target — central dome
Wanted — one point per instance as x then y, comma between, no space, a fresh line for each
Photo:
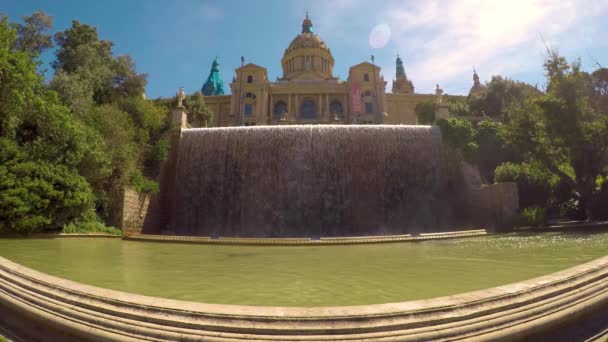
307,57
307,40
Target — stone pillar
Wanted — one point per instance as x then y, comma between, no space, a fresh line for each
442,112
289,111
320,106
297,109
345,106
256,108
271,109
327,107
179,117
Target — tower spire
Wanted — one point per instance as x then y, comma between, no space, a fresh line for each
400,70
214,84
307,24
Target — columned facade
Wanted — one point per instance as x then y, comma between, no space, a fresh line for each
308,93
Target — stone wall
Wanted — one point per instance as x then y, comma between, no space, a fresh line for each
138,210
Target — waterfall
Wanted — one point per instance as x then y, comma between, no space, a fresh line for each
311,181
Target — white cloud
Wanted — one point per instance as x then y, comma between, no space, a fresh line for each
444,39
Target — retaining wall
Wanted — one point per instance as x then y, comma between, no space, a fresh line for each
35,306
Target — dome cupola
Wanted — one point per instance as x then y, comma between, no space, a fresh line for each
307,56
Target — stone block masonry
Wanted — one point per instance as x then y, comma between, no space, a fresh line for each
138,211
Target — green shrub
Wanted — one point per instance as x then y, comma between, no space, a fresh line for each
142,184
535,216
425,111
460,134
533,182
90,227
599,201
36,195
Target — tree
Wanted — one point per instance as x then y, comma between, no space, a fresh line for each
32,35
36,194
41,146
458,107
599,86
199,114
501,93
425,112
79,46
492,148
87,72
460,134
114,158
562,130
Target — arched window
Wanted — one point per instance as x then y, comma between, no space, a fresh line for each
279,109
249,79
335,108
308,109
248,109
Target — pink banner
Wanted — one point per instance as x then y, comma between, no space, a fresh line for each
355,95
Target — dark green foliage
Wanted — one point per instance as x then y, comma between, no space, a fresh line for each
562,128
74,149
87,72
535,216
499,96
492,148
199,114
36,194
458,107
533,182
460,134
32,35
89,228
425,112
599,202
142,185
80,46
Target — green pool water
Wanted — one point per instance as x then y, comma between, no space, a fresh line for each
306,276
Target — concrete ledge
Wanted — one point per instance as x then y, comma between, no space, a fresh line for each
60,236
305,241
65,310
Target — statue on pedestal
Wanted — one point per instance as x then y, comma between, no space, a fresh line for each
181,96
439,94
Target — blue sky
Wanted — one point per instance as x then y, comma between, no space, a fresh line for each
439,40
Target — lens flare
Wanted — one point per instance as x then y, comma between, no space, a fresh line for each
379,36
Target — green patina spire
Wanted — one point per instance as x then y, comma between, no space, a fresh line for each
400,69
214,84
307,25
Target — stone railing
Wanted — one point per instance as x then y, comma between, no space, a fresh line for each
64,310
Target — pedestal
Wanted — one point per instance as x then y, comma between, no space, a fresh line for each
179,117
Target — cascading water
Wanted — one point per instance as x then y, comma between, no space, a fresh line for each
310,181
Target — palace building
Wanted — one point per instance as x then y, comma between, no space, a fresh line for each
309,93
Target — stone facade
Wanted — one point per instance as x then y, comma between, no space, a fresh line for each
308,92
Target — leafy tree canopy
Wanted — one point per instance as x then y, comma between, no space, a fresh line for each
563,127
32,35
425,112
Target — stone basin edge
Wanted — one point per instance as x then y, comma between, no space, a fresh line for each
548,299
